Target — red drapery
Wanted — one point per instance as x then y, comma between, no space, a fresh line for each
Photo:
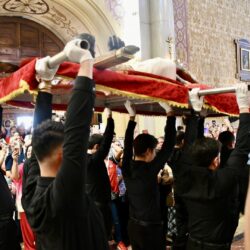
128,83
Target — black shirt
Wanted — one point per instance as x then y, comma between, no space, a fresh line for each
211,197
97,179
141,177
58,210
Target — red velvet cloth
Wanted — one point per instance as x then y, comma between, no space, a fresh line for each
129,83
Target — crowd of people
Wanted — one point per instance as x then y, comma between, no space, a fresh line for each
76,190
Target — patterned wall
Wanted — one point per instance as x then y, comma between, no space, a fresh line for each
181,36
212,27
116,9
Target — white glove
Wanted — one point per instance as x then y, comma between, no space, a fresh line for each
108,112
129,108
242,95
75,53
166,107
196,100
43,71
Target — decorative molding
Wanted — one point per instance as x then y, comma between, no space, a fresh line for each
181,37
34,7
58,18
68,17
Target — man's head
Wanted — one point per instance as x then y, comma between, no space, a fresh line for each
180,138
47,141
205,152
94,142
7,123
227,139
213,123
180,128
144,147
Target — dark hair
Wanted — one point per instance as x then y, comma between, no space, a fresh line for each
143,142
91,40
7,121
179,128
26,151
46,137
179,137
226,138
95,139
204,150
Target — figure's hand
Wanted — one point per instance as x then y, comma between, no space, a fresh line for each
43,71
242,95
115,43
130,109
108,112
165,106
76,54
196,100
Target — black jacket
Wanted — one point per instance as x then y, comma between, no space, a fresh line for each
211,197
97,179
58,210
141,177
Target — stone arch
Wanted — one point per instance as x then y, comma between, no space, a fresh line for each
67,18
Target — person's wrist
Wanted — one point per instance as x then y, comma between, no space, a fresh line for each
44,86
15,160
244,109
170,113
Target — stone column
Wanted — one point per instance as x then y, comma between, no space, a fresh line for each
145,28
157,28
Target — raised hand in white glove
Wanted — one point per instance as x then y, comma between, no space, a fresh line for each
128,106
165,106
43,71
196,100
108,112
75,53
242,95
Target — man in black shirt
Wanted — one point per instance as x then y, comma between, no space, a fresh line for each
210,194
97,179
56,204
140,175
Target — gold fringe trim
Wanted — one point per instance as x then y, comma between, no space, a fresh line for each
139,96
23,86
218,111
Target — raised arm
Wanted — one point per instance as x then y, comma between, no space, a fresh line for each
247,217
43,112
239,156
104,148
194,126
128,141
69,183
14,173
169,140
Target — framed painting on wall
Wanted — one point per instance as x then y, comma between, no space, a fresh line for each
243,59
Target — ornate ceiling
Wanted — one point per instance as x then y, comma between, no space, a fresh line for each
66,18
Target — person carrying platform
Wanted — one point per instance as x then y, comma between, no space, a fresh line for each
54,197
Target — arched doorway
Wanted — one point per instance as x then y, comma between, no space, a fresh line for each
21,38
